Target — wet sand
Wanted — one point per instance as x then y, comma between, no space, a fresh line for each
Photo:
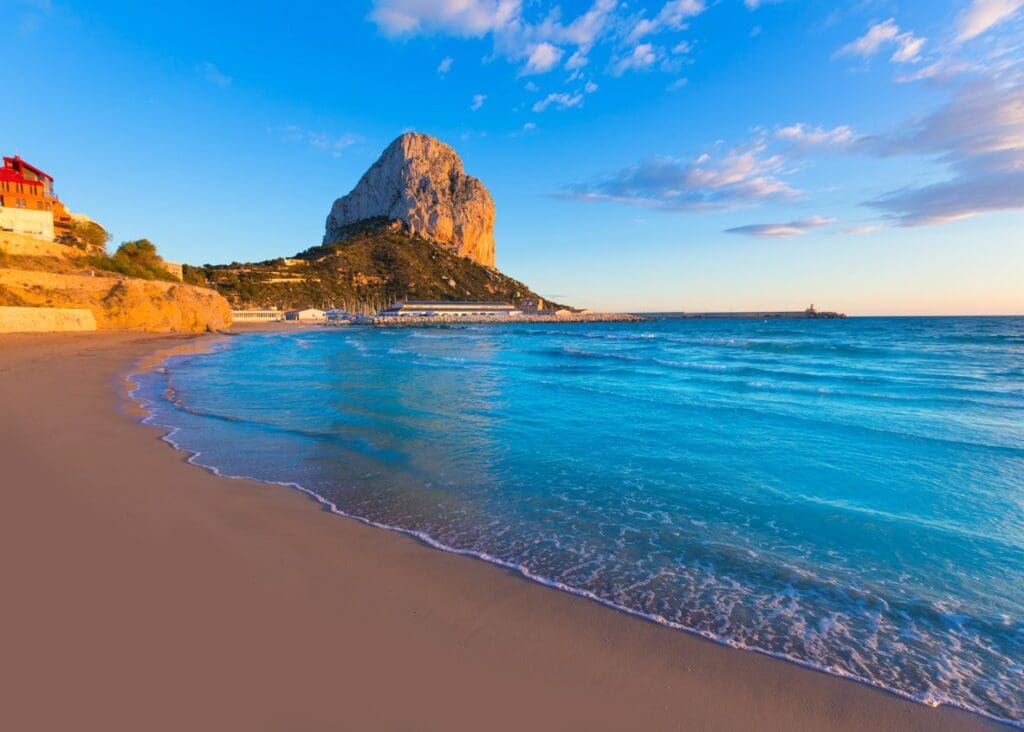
141,592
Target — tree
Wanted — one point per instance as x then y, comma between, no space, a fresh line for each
88,235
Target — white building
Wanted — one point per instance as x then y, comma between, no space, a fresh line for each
307,315
442,309
26,221
252,316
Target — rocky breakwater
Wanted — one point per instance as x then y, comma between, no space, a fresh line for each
420,182
566,317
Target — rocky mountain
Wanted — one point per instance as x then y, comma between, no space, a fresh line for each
420,181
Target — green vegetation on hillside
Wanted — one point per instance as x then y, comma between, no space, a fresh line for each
134,259
87,235
365,273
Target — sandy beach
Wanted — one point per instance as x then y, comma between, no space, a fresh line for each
142,592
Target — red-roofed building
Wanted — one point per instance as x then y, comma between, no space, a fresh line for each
28,204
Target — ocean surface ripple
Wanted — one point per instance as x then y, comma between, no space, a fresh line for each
848,495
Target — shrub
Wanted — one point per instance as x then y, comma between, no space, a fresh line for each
134,259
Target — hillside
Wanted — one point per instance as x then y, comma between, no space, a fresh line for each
42,281
375,266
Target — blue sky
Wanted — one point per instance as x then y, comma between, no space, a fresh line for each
683,155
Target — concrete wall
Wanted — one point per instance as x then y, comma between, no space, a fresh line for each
27,221
45,320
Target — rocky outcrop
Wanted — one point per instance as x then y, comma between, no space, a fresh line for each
120,303
420,181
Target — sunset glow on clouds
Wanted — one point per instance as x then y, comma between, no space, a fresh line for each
854,128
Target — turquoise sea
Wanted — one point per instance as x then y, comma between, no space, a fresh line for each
845,494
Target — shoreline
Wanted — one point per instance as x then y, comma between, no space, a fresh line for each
562,659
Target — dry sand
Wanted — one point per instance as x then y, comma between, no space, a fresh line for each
143,593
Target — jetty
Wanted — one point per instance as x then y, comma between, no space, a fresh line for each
809,314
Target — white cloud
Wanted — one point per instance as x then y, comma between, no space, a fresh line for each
907,45
782,231
542,58
540,44
983,14
804,136
742,176
445,66
559,100
214,75
534,35
682,47
590,87
979,135
643,56
586,29
672,16
458,17
478,101
677,85
862,230
577,61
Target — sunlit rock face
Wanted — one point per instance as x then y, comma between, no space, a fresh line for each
419,181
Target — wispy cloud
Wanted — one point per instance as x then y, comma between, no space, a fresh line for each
445,66
542,57
741,176
478,101
906,46
526,129
333,145
862,230
643,56
458,17
214,75
558,100
979,135
672,16
782,231
984,14
804,136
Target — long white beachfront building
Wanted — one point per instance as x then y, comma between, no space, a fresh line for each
444,309
257,315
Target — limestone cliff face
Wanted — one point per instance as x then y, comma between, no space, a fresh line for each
419,181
